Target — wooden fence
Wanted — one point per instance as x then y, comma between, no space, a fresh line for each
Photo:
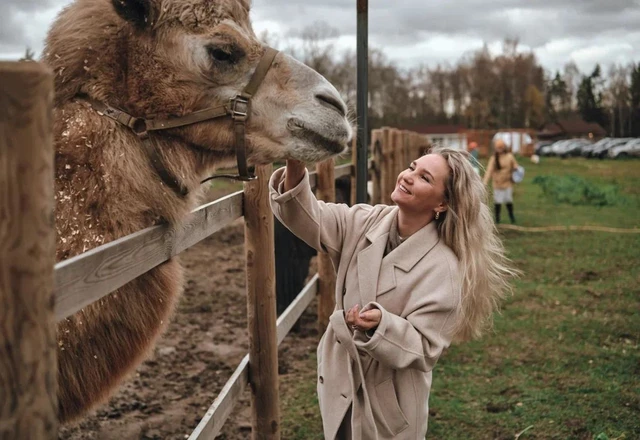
35,293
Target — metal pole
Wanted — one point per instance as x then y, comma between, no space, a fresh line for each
362,108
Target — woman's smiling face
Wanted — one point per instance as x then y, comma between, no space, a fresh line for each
420,189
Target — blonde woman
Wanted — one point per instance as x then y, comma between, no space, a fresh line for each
499,170
410,279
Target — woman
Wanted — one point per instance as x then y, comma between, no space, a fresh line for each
410,278
501,165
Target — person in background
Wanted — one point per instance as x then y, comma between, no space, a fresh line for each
501,166
473,156
410,279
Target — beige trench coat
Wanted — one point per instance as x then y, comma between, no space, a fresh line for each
501,178
387,377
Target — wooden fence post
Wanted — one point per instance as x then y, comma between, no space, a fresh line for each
398,161
406,149
325,190
354,165
376,168
386,166
261,308
28,366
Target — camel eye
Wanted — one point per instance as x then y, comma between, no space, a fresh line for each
219,54
224,54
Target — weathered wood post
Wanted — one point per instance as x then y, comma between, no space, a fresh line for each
261,308
386,166
398,160
417,142
376,165
354,166
28,367
325,190
406,149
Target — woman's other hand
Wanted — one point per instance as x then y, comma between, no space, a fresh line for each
362,321
294,174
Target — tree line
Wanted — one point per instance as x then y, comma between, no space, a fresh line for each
481,91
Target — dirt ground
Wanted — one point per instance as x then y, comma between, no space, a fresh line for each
206,340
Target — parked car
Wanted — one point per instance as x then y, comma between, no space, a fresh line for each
573,147
551,150
629,149
541,144
601,152
586,151
545,150
557,147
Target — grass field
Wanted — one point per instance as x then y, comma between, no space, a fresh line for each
563,361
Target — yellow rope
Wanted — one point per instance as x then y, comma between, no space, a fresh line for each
570,228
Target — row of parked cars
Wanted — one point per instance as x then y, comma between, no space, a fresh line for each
614,148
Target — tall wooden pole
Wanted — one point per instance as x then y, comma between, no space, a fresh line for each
261,308
325,190
28,370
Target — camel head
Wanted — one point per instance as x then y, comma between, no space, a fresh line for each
169,58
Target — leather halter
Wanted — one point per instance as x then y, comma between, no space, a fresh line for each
238,108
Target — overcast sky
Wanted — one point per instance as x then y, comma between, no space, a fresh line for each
413,32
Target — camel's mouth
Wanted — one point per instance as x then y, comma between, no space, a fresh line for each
301,130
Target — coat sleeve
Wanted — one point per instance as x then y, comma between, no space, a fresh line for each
490,166
418,340
321,225
514,165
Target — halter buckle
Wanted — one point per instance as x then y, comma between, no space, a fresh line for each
239,108
139,127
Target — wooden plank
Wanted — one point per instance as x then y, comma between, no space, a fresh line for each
261,307
85,278
292,313
28,365
376,153
343,170
220,410
339,171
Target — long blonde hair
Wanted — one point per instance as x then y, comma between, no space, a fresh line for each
467,227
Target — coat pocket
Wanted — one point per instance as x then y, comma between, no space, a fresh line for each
392,414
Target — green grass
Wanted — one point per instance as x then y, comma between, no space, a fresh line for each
563,361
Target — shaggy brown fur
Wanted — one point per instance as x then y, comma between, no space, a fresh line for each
155,58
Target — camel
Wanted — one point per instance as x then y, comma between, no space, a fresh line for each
158,59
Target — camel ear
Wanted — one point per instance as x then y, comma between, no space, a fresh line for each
140,13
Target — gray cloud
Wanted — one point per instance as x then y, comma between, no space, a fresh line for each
416,31
535,23
23,23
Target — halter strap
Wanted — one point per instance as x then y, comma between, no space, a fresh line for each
238,108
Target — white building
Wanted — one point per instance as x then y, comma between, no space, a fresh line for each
450,136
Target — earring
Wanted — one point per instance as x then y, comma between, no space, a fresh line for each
437,215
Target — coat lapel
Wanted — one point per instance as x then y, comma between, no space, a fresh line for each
406,256
369,258
377,275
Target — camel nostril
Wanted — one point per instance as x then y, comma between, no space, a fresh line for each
333,103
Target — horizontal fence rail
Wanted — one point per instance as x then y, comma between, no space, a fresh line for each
220,410
85,278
